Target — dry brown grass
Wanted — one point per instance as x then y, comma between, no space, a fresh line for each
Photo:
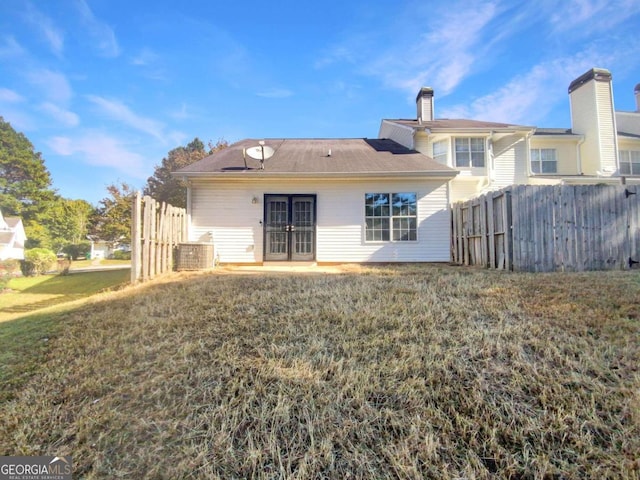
386,372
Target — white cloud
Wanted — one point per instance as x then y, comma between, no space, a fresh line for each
103,34
52,35
120,112
182,113
586,17
275,93
10,48
444,55
529,97
61,115
437,46
9,96
54,85
95,148
145,58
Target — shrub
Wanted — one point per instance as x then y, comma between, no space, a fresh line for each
8,269
37,261
78,250
121,255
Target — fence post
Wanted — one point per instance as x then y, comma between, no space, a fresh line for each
136,254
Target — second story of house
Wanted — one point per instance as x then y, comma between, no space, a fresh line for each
602,145
12,238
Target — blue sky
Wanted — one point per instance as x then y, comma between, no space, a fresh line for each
105,88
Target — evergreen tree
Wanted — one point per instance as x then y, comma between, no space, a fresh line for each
25,182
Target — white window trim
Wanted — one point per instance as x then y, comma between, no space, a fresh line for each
446,143
628,161
391,217
539,149
454,159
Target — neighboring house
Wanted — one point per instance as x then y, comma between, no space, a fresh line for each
388,200
12,238
100,249
602,145
325,201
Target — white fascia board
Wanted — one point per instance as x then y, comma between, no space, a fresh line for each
436,174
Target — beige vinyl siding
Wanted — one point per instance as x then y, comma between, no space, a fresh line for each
629,144
566,153
510,161
592,116
464,189
399,133
225,210
628,122
608,147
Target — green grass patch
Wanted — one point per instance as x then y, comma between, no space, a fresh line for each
28,294
389,372
80,264
23,345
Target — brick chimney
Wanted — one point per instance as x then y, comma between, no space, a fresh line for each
424,104
592,115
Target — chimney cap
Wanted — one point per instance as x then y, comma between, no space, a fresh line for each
424,92
597,74
637,89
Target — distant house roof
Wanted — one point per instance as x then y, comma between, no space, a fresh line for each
553,131
6,238
12,222
464,124
320,158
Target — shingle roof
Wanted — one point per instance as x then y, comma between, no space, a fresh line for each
5,238
554,131
452,123
320,157
12,222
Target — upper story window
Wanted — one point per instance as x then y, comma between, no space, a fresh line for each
469,152
390,217
629,162
440,151
544,160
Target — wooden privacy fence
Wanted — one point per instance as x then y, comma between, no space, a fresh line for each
156,230
549,228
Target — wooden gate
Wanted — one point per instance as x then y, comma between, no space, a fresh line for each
549,228
156,230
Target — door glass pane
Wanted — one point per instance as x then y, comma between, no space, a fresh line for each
303,213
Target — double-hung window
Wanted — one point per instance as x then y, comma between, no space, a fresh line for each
391,217
469,152
440,151
543,160
629,162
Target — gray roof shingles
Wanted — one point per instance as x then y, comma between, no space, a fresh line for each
453,123
311,157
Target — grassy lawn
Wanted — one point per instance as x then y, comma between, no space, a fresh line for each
386,372
28,294
79,264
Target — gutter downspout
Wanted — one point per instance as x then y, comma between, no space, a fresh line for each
579,155
188,182
488,178
528,153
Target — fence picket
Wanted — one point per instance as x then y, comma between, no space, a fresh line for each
549,228
156,230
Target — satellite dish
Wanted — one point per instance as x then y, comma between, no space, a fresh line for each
260,152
